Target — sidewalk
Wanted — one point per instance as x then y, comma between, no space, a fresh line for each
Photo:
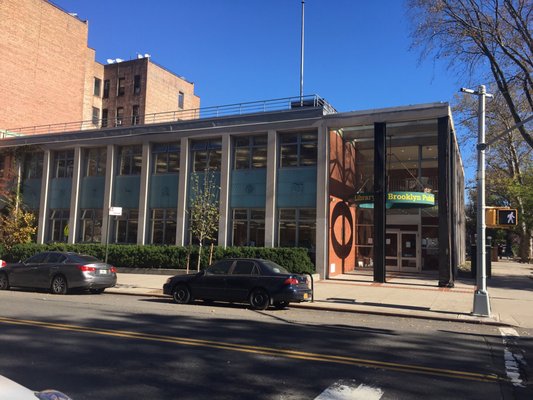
415,296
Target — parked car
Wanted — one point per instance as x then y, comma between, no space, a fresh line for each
59,272
260,283
10,390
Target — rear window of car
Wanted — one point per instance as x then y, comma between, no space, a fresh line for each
245,268
82,258
37,258
275,268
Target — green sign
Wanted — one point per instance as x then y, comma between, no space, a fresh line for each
398,200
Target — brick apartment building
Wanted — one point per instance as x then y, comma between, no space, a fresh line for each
49,75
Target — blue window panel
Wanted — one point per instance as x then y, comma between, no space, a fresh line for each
248,188
31,193
164,191
60,191
126,193
216,182
296,187
92,192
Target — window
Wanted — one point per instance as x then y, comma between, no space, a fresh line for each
91,225
220,268
59,225
248,227
250,152
135,118
206,155
126,227
181,100
97,86
95,161
63,164
107,85
119,118
298,149
296,227
105,116
33,166
137,84
130,160
166,158
163,222
96,115
244,267
2,166
121,88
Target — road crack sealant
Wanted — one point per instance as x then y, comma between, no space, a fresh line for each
514,358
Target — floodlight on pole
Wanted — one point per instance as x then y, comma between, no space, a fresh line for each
481,296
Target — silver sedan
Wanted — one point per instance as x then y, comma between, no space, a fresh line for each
59,272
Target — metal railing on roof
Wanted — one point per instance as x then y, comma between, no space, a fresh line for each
288,103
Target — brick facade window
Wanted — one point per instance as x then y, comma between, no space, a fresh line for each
107,85
119,117
105,116
137,84
96,115
181,100
135,117
97,86
121,87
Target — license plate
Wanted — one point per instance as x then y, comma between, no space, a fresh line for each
103,271
306,296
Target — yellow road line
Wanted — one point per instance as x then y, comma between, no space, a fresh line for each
268,351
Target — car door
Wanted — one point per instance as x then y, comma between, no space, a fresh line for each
243,277
23,274
211,284
50,266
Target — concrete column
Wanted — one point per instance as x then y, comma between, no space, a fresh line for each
43,206
270,201
142,229
322,202
181,215
225,172
108,190
75,196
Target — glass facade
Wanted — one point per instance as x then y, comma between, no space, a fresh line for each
163,226
248,227
91,225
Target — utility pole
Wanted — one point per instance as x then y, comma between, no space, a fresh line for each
302,58
481,296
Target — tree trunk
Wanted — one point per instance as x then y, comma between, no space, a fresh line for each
199,257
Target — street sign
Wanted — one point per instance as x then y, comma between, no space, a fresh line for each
507,217
115,211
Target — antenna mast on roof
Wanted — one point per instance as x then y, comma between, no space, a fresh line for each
302,58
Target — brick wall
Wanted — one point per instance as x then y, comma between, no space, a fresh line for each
44,64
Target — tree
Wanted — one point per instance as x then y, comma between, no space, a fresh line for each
509,165
493,36
16,224
203,210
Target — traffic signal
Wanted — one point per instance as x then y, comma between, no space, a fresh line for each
507,217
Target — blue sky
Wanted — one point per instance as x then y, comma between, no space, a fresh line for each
356,51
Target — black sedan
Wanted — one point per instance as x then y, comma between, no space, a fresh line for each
260,283
59,272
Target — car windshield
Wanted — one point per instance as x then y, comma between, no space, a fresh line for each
275,268
83,258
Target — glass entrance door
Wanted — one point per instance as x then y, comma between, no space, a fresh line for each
401,251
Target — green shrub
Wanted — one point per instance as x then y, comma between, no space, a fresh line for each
172,257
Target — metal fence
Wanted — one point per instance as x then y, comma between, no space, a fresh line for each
288,103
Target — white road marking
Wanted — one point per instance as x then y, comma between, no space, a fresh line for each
350,390
513,356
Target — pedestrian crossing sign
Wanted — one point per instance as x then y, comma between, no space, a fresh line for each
507,217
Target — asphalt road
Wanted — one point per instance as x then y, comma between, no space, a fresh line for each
127,347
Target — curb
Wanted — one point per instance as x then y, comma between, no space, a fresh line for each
311,306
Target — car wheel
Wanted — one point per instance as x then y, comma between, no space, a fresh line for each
280,305
259,299
181,294
4,281
96,291
59,285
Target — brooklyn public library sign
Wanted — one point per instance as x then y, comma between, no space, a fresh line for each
398,200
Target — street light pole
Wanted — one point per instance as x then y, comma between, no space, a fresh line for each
481,296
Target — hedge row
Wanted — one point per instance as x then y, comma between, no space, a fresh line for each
173,257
